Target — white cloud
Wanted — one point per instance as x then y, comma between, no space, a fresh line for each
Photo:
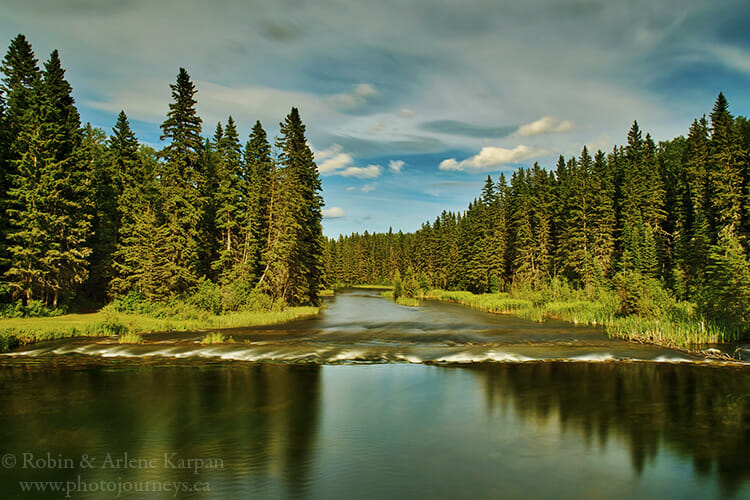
333,212
358,95
406,113
369,187
334,163
351,188
545,125
490,157
337,162
368,172
396,165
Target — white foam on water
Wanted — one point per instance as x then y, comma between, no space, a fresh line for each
409,358
494,356
671,359
594,357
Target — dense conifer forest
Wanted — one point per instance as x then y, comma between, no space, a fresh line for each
88,217
653,224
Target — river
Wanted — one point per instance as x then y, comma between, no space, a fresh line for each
374,400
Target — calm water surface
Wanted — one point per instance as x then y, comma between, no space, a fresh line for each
344,406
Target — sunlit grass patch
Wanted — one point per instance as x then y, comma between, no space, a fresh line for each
130,338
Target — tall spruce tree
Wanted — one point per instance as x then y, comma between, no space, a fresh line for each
21,85
49,208
256,192
180,184
229,201
726,171
293,258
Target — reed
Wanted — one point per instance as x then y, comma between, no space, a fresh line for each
676,326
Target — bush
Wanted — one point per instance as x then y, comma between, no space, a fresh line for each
641,295
33,309
397,288
133,302
207,296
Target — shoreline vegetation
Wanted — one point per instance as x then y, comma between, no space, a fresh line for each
675,328
668,323
131,325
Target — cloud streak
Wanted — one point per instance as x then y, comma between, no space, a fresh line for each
545,125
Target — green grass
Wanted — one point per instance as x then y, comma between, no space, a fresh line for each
338,286
14,331
407,301
216,338
326,293
402,300
130,338
676,326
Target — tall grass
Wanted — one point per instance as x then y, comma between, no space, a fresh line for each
215,338
130,338
676,325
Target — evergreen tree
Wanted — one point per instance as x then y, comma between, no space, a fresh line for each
229,200
256,192
726,171
181,182
293,269
49,210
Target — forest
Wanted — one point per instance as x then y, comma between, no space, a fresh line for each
649,239
647,231
89,218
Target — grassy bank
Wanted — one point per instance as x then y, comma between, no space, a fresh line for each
15,331
676,325
401,299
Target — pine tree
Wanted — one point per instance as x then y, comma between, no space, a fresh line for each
106,189
180,183
134,176
229,200
725,297
21,85
293,257
50,207
726,168
256,192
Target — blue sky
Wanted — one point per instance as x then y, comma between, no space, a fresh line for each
409,105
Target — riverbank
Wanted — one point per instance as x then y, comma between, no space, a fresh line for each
676,326
15,331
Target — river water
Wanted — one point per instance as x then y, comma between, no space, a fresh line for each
374,400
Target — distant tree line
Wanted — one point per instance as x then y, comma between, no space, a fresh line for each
674,216
90,216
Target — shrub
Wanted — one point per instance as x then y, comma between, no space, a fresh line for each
207,296
134,302
640,295
397,288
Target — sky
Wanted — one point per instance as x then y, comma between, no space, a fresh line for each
409,104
